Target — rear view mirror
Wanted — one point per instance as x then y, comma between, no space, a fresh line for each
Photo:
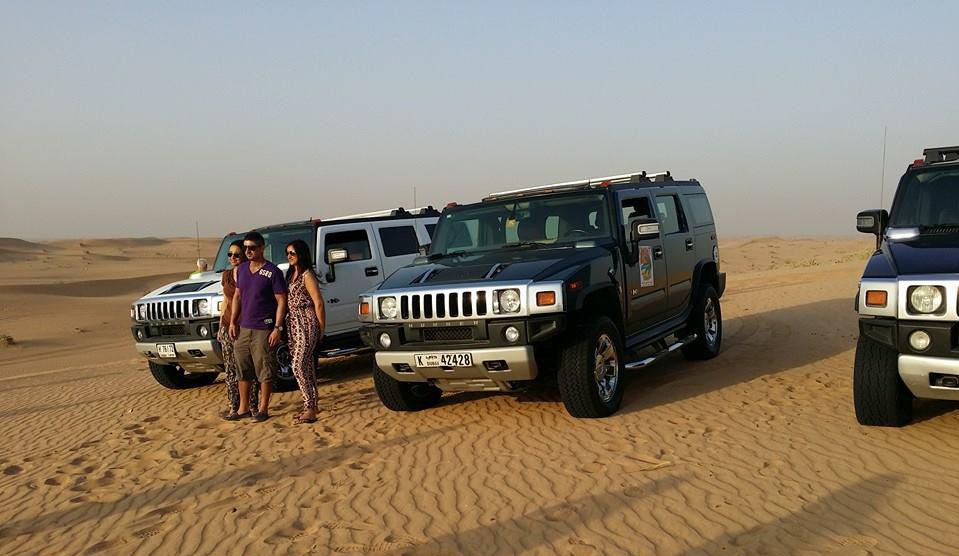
334,256
641,229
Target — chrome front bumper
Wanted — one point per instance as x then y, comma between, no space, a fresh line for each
914,371
520,362
205,354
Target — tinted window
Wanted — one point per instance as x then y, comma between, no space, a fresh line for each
221,262
399,240
927,199
669,213
637,207
699,206
430,228
356,243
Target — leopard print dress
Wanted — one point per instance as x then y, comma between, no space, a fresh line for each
304,330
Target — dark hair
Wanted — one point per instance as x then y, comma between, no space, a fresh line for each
239,244
254,236
304,261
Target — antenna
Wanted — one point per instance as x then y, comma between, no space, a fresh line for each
414,197
882,181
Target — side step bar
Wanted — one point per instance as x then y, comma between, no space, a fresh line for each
340,352
662,353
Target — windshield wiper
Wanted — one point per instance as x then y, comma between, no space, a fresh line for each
438,256
534,244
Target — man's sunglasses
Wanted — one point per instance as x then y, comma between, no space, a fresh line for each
251,247
233,255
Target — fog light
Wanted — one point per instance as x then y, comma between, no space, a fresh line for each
139,333
511,334
920,340
385,340
204,331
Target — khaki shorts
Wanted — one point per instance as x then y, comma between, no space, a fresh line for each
254,358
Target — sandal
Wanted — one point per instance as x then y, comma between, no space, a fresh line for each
302,419
261,416
236,416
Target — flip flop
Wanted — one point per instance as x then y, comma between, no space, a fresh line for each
299,420
236,416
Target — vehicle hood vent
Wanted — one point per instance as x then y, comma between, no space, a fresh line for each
189,287
457,273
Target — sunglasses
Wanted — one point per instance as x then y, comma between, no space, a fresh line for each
290,253
233,255
251,247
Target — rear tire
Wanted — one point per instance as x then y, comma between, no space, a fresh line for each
174,378
590,373
706,321
880,397
284,380
404,396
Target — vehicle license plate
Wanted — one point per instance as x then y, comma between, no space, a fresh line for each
166,350
444,359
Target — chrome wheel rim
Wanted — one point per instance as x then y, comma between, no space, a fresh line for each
710,322
606,367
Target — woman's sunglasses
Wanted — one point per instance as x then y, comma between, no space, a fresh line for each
290,253
233,255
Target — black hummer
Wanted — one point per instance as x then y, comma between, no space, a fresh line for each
580,280
908,300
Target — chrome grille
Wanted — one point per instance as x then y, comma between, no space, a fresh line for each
169,309
444,305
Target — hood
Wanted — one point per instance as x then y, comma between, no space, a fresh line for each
928,254
501,265
199,284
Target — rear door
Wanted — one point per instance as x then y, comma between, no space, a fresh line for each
680,250
399,243
646,279
347,280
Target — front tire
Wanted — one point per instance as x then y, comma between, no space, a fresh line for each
404,396
880,397
706,321
590,374
174,378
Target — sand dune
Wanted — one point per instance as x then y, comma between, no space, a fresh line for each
755,452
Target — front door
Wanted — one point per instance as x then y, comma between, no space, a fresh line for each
680,251
646,277
345,281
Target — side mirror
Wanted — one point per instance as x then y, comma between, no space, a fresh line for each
873,222
424,249
641,229
334,256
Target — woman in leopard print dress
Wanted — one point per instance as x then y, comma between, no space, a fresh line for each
305,323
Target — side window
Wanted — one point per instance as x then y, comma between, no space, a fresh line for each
399,240
699,207
670,214
430,228
637,207
356,243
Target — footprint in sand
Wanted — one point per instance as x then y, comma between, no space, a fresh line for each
103,546
579,547
357,465
12,470
562,513
151,419
592,467
52,481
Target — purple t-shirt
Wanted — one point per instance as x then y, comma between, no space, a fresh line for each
257,301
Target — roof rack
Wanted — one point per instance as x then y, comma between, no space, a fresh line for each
419,211
591,183
941,154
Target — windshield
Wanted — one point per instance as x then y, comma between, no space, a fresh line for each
927,200
554,220
275,247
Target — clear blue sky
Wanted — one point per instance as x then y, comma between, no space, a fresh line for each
134,119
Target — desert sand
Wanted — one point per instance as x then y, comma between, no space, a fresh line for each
754,452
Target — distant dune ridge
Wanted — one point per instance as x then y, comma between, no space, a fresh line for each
754,452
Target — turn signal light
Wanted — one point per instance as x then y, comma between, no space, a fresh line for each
545,299
876,298
364,308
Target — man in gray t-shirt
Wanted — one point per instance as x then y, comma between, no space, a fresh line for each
259,309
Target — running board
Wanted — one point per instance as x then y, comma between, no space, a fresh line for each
343,351
662,353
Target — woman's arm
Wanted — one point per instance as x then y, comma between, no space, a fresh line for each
313,288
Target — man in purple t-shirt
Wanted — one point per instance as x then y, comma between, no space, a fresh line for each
259,309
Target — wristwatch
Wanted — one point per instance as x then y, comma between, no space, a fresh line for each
278,327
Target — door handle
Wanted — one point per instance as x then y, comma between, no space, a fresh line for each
333,300
689,244
372,271
657,252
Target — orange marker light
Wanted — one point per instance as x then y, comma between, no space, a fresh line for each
876,298
364,308
545,299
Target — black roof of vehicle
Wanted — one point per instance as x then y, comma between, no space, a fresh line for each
614,183
392,214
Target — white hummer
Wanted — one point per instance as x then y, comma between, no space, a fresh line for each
175,326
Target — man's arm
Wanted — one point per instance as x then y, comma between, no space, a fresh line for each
280,316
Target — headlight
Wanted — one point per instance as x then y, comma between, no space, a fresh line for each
132,313
141,312
388,307
509,301
201,307
925,299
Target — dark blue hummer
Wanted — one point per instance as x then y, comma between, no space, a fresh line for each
580,280
908,299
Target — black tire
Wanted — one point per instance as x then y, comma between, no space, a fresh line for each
173,377
880,397
709,338
284,380
404,396
579,387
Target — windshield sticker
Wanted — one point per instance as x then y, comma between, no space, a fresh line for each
645,266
